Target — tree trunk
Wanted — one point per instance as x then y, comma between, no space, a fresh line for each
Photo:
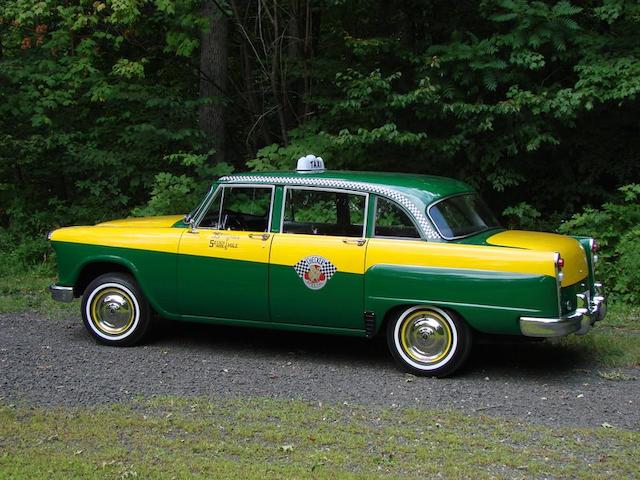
214,46
275,77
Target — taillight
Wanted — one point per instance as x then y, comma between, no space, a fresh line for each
559,266
595,248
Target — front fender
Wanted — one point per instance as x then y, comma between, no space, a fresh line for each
155,272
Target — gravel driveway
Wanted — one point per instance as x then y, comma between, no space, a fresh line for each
55,362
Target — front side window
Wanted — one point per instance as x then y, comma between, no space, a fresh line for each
392,221
462,216
318,212
239,208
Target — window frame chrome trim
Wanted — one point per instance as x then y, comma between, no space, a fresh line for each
413,221
425,224
221,186
204,202
325,189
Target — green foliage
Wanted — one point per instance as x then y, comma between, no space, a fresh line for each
173,192
92,103
522,215
616,226
304,139
496,93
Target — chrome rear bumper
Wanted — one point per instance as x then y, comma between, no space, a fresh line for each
580,321
61,294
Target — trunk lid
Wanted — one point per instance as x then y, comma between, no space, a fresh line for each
575,259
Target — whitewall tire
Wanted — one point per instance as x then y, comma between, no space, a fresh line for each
114,311
429,341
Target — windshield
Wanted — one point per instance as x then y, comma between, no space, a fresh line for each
194,213
462,216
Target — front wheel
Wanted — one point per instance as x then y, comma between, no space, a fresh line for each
429,341
114,310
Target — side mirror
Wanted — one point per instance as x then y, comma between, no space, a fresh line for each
192,225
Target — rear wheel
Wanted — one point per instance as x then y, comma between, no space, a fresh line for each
429,341
114,310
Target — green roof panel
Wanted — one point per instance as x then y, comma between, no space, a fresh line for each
428,187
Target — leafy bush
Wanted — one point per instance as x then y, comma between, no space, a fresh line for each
616,226
22,253
174,192
523,215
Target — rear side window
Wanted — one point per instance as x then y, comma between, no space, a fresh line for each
319,212
392,221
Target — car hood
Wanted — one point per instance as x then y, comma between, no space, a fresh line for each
142,222
575,259
151,233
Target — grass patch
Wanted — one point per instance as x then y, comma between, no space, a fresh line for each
26,289
265,438
617,376
615,342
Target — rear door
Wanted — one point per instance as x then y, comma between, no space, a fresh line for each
317,260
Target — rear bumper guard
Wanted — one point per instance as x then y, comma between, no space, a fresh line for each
580,321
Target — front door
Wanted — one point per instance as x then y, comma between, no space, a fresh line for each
317,261
223,265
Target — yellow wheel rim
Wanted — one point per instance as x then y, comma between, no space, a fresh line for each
426,336
112,311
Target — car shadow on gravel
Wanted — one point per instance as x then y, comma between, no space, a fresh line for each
506,357
239,340
532,359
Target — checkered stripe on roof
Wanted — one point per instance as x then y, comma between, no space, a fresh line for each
394,195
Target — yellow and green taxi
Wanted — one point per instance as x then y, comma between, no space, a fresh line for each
417,258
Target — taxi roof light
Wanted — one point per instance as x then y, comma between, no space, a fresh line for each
310,163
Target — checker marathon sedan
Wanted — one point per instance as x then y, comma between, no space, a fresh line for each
420,259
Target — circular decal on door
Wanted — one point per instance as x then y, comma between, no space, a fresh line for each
315,271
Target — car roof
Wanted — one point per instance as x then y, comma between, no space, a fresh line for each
428,187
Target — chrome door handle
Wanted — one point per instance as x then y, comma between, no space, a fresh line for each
260,236
359,241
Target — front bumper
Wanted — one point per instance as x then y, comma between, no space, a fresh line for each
61,294
580,321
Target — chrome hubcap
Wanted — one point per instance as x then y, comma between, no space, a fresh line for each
112,311
426,337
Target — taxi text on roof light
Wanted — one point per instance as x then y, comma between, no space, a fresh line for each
310,163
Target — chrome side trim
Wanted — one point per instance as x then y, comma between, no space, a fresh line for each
61,294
